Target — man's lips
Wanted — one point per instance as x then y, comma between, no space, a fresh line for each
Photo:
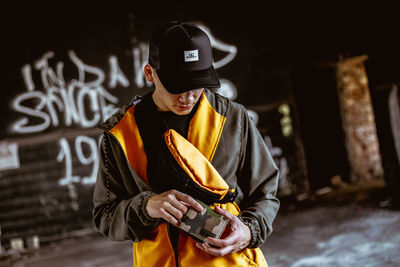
185,107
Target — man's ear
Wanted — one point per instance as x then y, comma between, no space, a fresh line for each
148,72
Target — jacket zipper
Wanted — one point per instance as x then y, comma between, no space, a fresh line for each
174,246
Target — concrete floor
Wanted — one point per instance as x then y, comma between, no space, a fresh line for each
354,232
335,236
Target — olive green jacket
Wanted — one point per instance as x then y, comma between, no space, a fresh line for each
241,158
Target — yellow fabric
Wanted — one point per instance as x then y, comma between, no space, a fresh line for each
133,147
205,128
155,250
202,172
204,133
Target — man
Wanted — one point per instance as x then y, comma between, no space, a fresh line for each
134,199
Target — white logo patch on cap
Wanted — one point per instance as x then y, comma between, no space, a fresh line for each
191,55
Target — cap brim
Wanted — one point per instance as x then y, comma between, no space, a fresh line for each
180,82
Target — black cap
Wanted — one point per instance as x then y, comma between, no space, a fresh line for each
181,54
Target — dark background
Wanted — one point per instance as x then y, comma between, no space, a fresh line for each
269,35
286,51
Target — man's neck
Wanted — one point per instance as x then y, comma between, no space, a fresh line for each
157,103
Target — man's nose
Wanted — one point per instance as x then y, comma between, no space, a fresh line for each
187,97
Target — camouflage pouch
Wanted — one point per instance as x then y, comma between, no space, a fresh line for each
201,225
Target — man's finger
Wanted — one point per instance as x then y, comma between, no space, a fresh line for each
171,209
180,206
225,213
233,220
216,251
189,200
227,241
169,218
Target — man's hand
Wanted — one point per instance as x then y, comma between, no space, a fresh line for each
171,206
237,240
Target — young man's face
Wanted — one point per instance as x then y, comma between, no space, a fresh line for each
180,104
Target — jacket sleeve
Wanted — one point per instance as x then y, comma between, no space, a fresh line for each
258,179
119,205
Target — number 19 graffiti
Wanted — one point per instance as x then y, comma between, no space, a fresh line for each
65,154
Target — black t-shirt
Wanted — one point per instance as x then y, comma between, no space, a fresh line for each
152,125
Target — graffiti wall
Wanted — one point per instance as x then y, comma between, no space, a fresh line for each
49,158
69,72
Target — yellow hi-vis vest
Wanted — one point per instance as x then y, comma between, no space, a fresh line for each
156,250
